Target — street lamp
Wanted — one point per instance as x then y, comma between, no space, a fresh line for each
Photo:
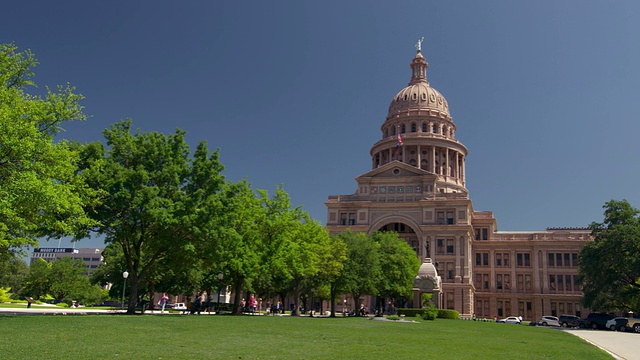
125,275
220,277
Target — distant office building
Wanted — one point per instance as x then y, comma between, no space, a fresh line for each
92,257
417,188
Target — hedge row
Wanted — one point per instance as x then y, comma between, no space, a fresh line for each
442,313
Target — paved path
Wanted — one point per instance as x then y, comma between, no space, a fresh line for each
621,345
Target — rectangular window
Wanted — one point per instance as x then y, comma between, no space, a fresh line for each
499,259
482,233
485,281
499,281
560,282
574,260
527,282
505,256
440,246
520,282
576,283
567,263
507,282
485,259
450,246
450,271
478,283
552,282
352,218
550,262
449,217
567,282
559,259
440,217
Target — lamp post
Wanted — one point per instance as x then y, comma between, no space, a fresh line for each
125,275
220,277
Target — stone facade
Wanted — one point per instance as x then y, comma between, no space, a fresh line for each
416,187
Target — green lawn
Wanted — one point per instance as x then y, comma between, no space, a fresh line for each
267,337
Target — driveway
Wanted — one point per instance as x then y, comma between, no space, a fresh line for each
621,345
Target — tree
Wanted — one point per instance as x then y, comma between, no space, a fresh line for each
399,265
12,274
68,282
37,281
149,204
232,245
300,257
610,266
332,260
40,194
361,269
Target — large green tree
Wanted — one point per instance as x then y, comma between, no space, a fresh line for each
152,198
40,194
361,269
610,266
399,265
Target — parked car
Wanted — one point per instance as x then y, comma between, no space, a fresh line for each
617,323
510,320
570,321
633,324
179,306
549,321
597,320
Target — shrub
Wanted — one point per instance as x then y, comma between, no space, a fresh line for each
448,314
430,312
5,295
393,317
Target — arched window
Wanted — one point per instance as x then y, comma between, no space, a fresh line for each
393,131
424,127
414,96
403,129
405,96
434,129
413,127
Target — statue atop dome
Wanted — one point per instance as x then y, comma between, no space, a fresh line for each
419,44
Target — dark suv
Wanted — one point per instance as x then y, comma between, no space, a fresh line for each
597,320
570,321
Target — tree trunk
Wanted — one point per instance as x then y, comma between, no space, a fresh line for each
296,297
133,293
332,299
236,300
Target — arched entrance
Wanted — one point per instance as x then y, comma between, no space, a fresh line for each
405,232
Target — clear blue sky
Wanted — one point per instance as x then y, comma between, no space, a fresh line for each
544,93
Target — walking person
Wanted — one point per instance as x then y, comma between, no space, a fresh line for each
163,301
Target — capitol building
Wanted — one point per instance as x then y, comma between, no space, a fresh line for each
417,188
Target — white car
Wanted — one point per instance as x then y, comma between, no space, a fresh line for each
618,323
510,320
179,306
549,321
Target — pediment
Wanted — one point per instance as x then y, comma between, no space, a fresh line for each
396,169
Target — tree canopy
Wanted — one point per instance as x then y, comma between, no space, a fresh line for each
610,266
40,194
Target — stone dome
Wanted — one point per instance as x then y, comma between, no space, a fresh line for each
427,269
418,95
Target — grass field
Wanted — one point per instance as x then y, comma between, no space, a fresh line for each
274,337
